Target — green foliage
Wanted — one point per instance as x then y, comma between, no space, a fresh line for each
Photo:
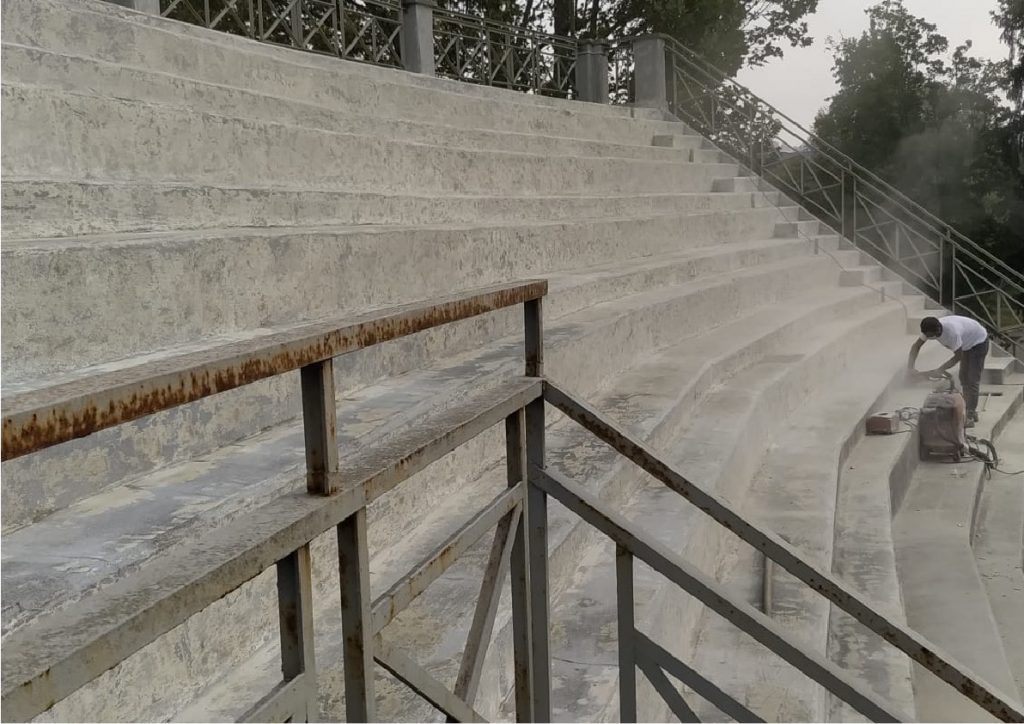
1010,20
935,128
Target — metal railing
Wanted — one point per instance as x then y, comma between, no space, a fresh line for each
61,651
621,72
473,49
878,218
363,30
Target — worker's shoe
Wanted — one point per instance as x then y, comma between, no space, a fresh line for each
969,424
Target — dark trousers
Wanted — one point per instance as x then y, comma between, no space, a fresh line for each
971,365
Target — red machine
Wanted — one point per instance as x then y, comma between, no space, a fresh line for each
942,423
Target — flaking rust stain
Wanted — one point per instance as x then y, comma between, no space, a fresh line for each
44,428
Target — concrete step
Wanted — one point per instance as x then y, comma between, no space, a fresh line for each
794,494
431,487
722,448
872,484
447,605
152,291
39,209
169,503
943,592
40,69
998,544
36,486
174,144
93,30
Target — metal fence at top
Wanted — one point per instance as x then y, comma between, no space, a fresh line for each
898,232
362,30
621,72
474,49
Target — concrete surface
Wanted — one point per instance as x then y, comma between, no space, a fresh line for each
168,187
943,592
999,544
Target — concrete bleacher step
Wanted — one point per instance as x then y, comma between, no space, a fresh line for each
137,41
998,543
721,448
41,208
943,592
44,70
794,495
222,483
872,483
222,281
36,486
845,300
174,143
448,599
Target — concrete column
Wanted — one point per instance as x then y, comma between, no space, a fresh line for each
592,71
651,79
145,6
418,36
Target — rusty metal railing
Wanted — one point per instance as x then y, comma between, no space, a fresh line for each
61,651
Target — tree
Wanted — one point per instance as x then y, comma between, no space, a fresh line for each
728,33
1010,20
932,125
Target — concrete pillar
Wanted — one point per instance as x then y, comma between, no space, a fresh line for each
650,70
418,36
592,71
145,6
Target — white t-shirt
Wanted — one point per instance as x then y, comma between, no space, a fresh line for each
960,333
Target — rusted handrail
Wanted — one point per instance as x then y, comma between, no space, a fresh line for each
54,414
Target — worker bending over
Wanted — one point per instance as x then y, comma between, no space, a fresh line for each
969,342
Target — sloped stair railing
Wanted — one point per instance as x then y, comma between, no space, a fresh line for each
62,651
878,218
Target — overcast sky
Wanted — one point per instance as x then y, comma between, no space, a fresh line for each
800,83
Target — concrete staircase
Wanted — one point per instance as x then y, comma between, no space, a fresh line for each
166,187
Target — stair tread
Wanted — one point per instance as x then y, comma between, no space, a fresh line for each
341,113
60,634
943,594
634,404
702,453
126,239
198,489
999,545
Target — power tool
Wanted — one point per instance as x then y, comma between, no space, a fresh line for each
942,422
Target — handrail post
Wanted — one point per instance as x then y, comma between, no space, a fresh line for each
627,633
537,519
651,72
515,461
592,71
356,619
319,419
418,36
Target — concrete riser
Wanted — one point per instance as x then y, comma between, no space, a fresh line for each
74,137
213,624
36,485
621,341
31,67
182,50
177,290
42,209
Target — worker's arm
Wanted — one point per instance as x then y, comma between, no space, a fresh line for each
914,349
952,362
